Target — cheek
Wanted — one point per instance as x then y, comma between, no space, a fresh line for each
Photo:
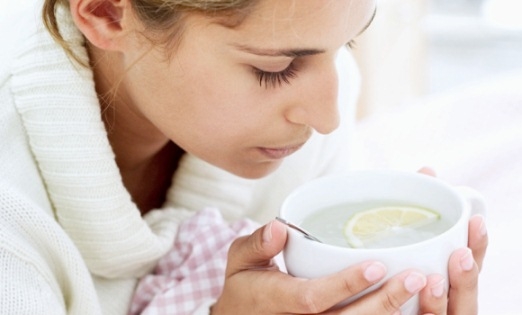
197,97
207,109
225,96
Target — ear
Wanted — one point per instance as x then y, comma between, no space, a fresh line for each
102,22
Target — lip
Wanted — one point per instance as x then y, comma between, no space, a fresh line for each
280,153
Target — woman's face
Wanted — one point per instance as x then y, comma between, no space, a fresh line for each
244,98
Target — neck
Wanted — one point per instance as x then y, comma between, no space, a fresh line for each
133,137
146,158
134,141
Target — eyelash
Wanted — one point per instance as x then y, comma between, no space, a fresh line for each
275,79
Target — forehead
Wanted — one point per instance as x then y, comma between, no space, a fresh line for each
320,23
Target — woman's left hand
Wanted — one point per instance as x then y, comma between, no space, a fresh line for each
464,267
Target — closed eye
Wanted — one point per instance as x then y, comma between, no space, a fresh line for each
276,79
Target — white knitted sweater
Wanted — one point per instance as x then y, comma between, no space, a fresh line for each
71,239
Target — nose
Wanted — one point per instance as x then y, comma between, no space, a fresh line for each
315,102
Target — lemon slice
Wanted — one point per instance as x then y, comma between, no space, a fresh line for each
368,226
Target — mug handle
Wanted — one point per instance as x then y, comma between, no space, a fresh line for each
474,198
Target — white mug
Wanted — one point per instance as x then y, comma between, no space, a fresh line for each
309,259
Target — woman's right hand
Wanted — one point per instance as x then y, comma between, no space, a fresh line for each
254,284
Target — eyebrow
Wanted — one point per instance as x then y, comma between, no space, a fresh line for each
293,53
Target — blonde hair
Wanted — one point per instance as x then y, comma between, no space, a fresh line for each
162,17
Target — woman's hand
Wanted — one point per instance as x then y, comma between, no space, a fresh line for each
464,267
254,284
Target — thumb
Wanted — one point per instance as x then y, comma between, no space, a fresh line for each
257,250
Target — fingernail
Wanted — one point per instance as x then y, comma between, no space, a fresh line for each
482,229
267,233
397,313
414,282
467,261
374,272
437,290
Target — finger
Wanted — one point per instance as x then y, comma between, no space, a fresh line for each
256,250
391,296
312,296
433,299
478,238
463,277
427,171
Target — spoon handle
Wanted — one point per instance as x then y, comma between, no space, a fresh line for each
301,230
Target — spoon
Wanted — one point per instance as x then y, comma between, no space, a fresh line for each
301,230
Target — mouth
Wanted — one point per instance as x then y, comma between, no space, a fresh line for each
280,153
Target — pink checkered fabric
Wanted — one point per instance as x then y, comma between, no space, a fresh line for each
193,270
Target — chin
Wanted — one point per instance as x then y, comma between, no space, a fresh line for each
256,171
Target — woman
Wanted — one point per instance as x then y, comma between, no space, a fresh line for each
95,124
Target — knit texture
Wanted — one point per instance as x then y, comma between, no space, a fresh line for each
64,208
62,119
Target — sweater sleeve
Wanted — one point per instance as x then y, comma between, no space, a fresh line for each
42,271
23,289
